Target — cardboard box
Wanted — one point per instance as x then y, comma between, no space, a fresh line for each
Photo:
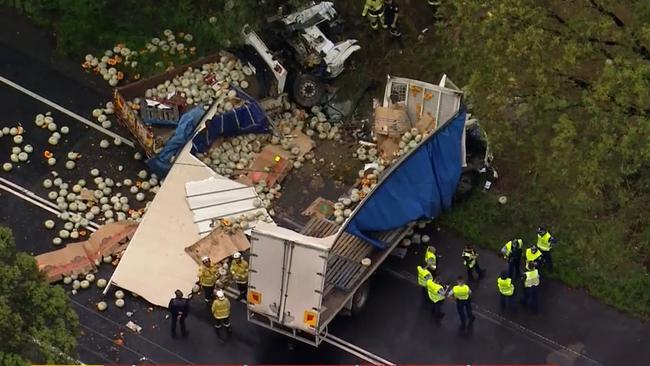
320,208
391,121
426,123
387,147
218,245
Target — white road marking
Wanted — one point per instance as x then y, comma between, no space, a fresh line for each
356,350
34,199
66,111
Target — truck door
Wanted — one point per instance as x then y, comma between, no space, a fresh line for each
305,283
266,279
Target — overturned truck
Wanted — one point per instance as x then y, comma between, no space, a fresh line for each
299,282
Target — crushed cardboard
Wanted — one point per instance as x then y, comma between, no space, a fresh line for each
426,123
387,147
218,245
266,159
320,208
391,121
79,258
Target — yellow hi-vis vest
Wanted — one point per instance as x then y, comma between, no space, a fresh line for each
430,258
532,278
221,308
543,242
374,6
423,276
506,287
532,257
507,249
461,292
239,270
433,289
207,275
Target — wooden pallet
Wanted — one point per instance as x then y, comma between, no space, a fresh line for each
344,268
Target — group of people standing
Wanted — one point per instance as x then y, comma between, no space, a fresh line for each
535,257
213,278
385,14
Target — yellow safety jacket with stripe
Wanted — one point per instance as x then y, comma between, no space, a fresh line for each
434,289
532,278
508,248
532,257
506,288
430,258
461,292
469,258
543,242
423,276
375,7
239,270
221,308
207,275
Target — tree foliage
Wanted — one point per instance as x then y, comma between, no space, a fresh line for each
563,88
36,322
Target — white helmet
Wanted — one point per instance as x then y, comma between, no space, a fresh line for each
205,259
220,295
237,255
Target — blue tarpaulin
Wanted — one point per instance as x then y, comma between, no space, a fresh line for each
162,162
421,187
248,118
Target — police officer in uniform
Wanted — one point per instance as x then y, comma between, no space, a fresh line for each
179,307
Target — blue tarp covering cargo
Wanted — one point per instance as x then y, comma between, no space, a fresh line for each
248,118
422,186
162,162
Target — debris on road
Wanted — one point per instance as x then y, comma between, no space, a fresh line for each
133,326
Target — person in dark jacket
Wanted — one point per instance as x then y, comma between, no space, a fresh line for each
179,307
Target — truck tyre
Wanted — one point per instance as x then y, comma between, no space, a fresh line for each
360,297
307,90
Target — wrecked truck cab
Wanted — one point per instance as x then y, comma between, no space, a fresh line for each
301,54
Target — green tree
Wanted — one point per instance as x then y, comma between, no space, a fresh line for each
563,89
36,322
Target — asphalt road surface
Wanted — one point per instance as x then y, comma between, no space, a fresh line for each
396,325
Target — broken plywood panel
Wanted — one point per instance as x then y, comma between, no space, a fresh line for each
218,246
320,208
216,198
72,259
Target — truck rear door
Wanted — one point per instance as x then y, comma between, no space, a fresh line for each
287,276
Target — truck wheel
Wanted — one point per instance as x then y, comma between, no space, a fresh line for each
307,90
360,297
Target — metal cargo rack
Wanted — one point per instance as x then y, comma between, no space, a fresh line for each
345,273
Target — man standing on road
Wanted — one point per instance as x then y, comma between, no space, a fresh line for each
239,271
179,307
545,243
533,255
431,259
506,289
221,313
462,293
392,20
207,278
436,294
512,254
531,284
423,276
470,260
374,9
